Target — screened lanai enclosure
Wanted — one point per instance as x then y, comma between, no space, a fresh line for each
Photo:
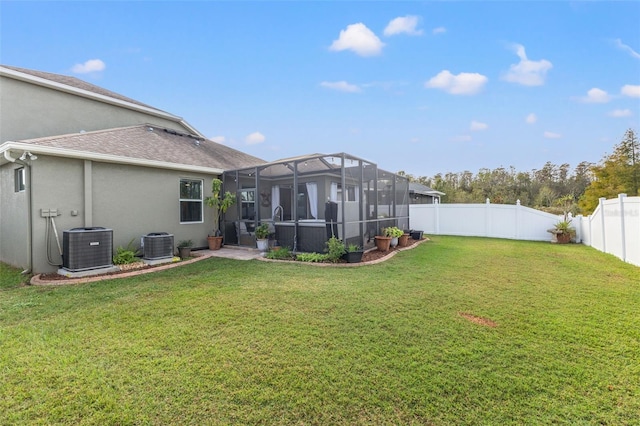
307,200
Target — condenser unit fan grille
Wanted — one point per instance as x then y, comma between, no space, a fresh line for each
87,248
157,245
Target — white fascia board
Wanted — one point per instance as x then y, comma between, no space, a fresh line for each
91,95
105,158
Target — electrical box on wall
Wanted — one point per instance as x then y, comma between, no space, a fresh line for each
49,213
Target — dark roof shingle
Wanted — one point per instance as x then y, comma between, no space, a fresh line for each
148,142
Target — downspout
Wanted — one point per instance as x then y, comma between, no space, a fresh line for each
9,158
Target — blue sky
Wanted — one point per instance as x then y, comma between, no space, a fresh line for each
424,87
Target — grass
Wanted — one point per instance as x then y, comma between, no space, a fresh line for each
230,342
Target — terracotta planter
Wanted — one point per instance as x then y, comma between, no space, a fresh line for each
383,243
403,240
214,243
563,238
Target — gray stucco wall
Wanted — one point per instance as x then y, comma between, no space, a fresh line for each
132,201
13,219
32,111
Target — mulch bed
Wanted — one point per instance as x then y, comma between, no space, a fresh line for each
375,254
369,256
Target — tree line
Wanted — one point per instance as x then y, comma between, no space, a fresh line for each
553,188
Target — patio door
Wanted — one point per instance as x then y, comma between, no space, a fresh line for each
286,197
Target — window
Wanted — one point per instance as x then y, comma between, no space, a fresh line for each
350,195
190,201
248,204
19,179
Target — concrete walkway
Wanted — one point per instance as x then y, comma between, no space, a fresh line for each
231,252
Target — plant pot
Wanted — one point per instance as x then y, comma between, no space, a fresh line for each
416,235
383,243
263,245
214,243
403,240
563,238
184,252
353,256
394,241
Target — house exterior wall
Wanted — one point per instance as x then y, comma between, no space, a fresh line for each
33,111
14,224
131,200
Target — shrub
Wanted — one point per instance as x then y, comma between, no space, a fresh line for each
126,254
335,249
312,257
283,253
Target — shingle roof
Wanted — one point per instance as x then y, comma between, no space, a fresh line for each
419,188
151,143
78,84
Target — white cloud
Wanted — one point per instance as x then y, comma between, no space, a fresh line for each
403,24
477,126
92,65
439,30
623,46
219,139
596,96
531,118
341,86
359,39
552,135
527,72
620,113
630,90
461,84
255,138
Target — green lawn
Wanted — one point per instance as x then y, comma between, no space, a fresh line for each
230,342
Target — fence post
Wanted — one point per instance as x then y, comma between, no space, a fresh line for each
601,201
517,219
621,198
487,217
437,216
579,229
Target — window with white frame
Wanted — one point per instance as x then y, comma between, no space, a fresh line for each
19,179
191,201
351,194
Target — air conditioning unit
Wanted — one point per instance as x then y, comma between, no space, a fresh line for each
157,245
87,248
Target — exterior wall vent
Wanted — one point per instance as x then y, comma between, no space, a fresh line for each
87,248
157,245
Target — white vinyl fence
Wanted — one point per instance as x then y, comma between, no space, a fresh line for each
483,220
614,228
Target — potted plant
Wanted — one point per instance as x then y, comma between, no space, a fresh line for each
221,203
563,232
184,248
262,237
354,254
395,233
416,235
383,241
403,239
